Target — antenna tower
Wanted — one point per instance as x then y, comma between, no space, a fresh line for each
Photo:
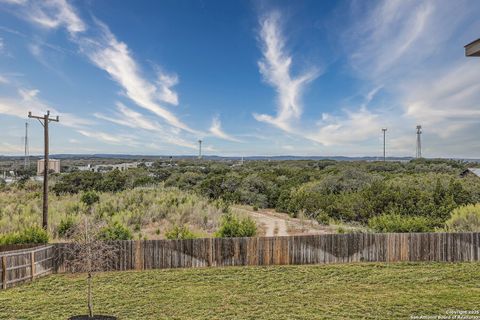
419,142
199,149
384,130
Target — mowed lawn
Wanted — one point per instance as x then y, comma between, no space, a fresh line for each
353,291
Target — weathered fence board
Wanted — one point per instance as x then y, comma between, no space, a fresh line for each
310,249
23,265
26,264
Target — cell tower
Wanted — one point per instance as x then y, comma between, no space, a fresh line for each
26,163
419,142
199,149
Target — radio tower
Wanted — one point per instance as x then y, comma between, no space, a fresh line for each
199,149
419,142
384,130
26,163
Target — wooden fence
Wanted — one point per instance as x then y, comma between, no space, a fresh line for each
11,247
23,265
315,249
26,264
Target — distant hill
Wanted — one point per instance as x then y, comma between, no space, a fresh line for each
214,157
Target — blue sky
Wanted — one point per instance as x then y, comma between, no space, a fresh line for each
246,77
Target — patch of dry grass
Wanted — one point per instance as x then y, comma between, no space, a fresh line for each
353,291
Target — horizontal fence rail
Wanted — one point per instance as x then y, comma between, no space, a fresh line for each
12,247
27,264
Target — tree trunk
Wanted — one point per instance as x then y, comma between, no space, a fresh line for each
90,300
89,268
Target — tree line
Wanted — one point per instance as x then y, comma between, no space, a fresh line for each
417,195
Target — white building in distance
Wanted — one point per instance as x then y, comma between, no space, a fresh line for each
110,167
53,165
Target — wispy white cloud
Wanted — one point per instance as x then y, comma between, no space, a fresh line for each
3,80
9,148
165,83
288,147
28,100
111,55
356,126
217,131
28,94
347,127
447,102
114,57
52,14
105,137
389,32
276,69
132,119
414,50
17,2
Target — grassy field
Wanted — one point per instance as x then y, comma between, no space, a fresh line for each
357,291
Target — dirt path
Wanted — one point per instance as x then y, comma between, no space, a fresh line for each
281,224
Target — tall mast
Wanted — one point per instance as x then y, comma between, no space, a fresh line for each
419,142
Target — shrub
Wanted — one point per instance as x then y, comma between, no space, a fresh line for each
89,198
180,233
464,219
29,235
323,218
398,223
115,231
65,227
232,226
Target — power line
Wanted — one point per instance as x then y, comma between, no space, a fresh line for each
44,121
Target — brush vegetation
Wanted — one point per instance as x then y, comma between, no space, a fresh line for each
135,213
188,198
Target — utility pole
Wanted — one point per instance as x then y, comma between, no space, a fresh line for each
384,131
44,121
199,149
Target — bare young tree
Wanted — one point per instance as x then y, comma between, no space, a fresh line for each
88,253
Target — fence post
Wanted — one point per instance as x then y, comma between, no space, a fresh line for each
4,272
32,264
138,255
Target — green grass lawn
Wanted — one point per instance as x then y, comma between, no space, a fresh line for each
354,291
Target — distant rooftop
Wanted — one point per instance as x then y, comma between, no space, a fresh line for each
475,171
473,49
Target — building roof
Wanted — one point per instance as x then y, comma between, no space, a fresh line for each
473,49
475,171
